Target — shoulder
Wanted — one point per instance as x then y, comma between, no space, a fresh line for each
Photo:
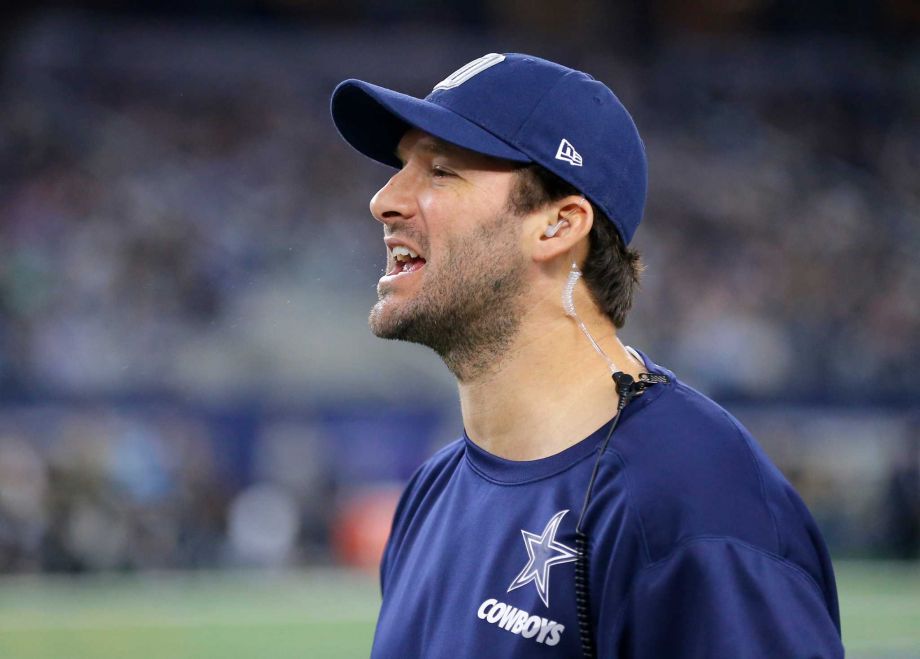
694,470
426,482
432,470
444,460
420,493
696,478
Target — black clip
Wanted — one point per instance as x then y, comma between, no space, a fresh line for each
628,388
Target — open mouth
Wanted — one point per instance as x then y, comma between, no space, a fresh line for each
404,261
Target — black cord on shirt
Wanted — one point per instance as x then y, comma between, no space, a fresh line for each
627,389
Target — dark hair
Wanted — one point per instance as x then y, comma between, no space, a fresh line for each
611,269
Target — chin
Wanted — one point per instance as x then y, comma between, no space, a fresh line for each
385,321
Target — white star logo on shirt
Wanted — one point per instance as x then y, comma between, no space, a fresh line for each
544,553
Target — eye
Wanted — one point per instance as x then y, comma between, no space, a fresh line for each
440,172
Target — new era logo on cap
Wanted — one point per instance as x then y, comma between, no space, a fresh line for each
568,153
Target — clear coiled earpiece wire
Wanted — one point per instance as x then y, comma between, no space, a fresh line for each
568,303
627,389
582,598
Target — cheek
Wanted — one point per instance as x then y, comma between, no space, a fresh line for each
437,221
455,223
435,209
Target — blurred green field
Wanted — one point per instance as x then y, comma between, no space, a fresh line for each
327,614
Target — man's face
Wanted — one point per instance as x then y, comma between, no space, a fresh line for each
461,294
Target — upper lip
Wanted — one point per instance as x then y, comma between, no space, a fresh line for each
393,241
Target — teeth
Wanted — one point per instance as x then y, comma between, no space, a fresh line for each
403,253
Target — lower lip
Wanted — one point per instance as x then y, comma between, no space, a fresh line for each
401,275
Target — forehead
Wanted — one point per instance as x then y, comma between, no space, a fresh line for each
417,142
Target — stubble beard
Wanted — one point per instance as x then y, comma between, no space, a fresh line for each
470,309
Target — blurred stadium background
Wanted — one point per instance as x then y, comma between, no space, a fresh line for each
201,443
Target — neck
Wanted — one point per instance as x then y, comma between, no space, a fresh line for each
549,390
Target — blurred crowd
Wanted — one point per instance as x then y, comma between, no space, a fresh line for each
178,216
106,491
98,488
160,485
173,220
157,484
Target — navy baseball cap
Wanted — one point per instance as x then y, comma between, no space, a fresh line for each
519,108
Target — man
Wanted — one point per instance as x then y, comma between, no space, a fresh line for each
595,506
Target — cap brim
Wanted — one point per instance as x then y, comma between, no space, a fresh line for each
373,119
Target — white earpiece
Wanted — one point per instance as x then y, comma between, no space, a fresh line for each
553,229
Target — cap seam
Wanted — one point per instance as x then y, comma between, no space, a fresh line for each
538,104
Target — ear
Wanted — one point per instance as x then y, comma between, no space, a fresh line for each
560,227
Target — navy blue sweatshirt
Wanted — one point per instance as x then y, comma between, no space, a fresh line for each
698,547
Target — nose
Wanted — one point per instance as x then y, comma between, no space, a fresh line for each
394,200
